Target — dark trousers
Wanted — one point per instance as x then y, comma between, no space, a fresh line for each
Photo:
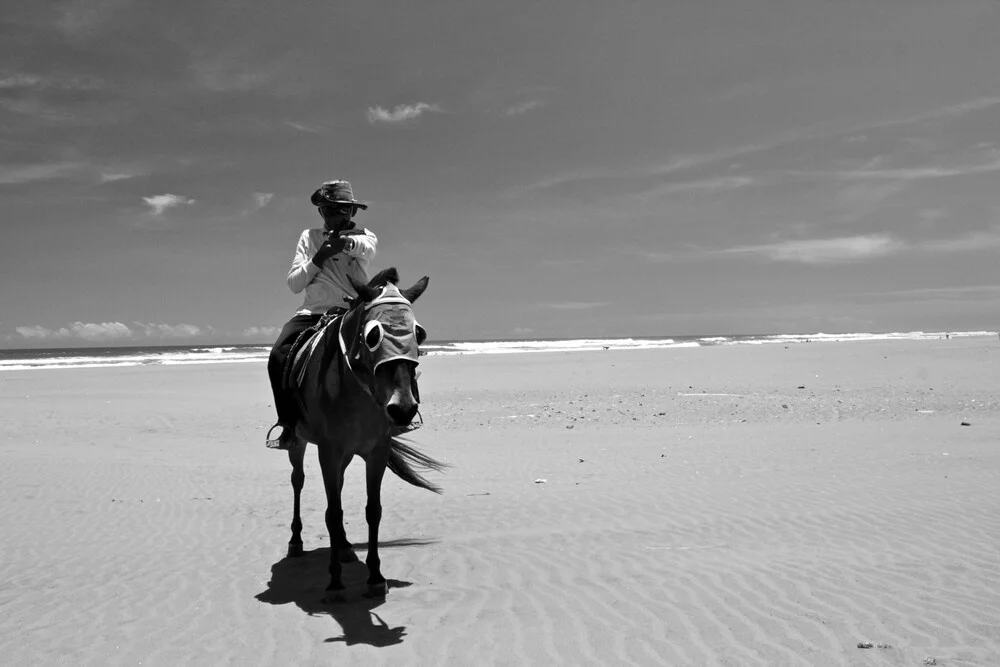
283,403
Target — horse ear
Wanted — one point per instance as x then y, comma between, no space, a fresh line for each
364,291
384,277
413,293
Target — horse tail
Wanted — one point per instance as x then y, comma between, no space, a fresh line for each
404,460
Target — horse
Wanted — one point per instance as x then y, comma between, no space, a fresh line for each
355,384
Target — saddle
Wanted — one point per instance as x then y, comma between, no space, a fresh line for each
303,348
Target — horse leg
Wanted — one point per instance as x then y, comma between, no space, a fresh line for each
296,454
345,550
374,470
333,482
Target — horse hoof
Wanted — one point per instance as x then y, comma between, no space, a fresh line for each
379,590
347,555
294,550
334,596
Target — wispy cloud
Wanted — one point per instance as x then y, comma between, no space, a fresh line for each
262,199
674,165
703,186
29,81
20,80
84,18
91,332
261,333
920,173
824,251
102,332
940,113
400,114
112,176
28,173
978,240
158,331
160,203
301,127
523,107
695,160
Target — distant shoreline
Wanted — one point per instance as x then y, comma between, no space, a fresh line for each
167,355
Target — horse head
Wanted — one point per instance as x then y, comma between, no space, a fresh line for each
381,340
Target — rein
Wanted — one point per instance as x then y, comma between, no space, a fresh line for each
345,354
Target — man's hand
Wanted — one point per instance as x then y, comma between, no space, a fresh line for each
333,246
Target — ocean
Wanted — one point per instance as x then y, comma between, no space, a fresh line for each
110,357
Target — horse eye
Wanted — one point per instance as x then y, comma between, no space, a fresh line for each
420,333
373,335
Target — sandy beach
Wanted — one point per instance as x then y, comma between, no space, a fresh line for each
744,505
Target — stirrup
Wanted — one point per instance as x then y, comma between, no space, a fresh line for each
281,442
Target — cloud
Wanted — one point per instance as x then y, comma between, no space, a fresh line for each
160,331
112,176
262,199
704,186
523,107
160,203
26,81
20,80
401,114
85,18
301,128
90,332
261,333
971,241
29,173
920,173
940,113
675,164
104,332
824,251
692,161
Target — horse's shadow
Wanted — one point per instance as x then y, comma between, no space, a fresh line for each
303,581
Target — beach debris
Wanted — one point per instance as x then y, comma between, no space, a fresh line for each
925,412
569,426
784,405
801,386
930,660
581,460
865,645
966,424
540,481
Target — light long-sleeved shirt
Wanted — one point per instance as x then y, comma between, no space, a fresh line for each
328,287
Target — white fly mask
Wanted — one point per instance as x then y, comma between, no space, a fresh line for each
391,331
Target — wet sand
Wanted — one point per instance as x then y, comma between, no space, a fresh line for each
745,505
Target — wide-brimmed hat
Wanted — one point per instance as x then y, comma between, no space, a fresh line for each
336,192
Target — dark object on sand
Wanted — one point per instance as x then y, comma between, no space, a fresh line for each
966,424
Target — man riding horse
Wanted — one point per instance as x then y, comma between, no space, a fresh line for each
326,259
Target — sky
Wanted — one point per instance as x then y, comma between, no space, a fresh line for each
559,169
